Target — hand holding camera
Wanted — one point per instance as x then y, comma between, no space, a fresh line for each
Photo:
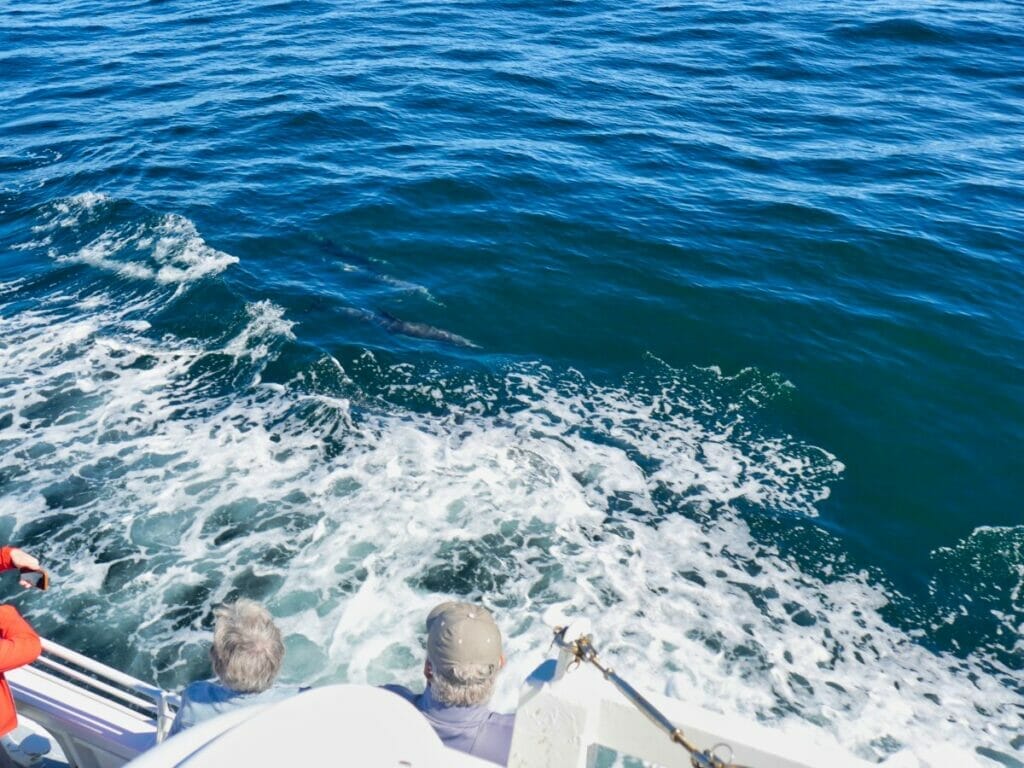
32,574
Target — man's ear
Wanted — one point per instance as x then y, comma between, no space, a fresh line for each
501,662
428,672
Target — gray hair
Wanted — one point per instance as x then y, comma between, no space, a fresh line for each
247,647
464,685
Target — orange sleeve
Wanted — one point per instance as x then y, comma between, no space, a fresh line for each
19,643
5,558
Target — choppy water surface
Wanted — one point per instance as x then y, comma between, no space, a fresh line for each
703,321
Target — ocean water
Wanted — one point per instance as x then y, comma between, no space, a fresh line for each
701,320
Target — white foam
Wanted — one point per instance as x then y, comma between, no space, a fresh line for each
68,212
183,255
266,324
100,254
31,245
168,251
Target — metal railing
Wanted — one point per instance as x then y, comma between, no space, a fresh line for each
583,651
110,684
573,706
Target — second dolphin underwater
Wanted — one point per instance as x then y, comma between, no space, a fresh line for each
396,325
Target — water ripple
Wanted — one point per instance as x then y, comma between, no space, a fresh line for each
830,192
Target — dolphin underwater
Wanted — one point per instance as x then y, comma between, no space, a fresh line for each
356,262
393,324
343,253
396,325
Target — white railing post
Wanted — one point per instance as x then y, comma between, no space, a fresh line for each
164,717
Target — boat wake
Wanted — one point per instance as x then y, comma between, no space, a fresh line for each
159,472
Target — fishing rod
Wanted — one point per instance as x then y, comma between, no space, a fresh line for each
583,651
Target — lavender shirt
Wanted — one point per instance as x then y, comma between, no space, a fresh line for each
476,730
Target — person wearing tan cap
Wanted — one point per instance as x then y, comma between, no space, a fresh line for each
463,660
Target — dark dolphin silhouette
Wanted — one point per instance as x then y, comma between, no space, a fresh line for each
396,325
360,263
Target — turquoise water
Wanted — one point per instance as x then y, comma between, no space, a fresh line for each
700,320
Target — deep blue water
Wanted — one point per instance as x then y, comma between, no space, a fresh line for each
704,319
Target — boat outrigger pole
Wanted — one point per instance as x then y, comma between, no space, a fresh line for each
582,648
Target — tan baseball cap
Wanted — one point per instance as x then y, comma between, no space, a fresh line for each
462,633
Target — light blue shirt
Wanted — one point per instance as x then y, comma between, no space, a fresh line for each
205,699
476,730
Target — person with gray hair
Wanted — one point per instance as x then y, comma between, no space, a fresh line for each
463,660
246,655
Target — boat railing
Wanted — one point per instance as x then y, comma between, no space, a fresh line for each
570,707
110,683
99,716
